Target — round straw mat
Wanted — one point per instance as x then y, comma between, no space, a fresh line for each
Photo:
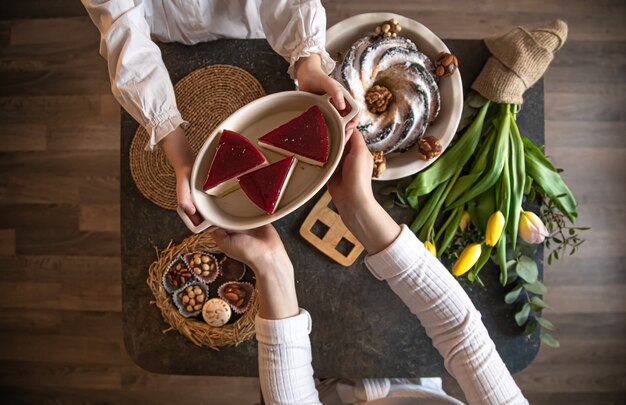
205,98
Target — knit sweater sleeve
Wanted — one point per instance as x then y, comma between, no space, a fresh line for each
285,370
449,317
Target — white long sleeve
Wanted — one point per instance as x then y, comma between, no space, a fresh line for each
449,317
285,370
139,80
443,308
296,29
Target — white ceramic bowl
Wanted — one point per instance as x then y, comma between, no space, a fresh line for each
341,36
235,211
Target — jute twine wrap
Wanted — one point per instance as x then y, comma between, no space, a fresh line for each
519,58
197,331
205,98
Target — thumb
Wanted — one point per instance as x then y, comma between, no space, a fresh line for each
190,210
334,91
188,207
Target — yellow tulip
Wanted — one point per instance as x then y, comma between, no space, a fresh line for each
431,248
531,229
469,257
465,221
495,225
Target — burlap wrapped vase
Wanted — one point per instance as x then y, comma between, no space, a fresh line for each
519,58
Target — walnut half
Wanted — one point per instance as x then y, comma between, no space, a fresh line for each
428,148
378,99
380,163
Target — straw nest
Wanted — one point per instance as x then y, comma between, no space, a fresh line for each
197,331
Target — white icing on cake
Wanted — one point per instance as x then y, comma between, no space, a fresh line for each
395,63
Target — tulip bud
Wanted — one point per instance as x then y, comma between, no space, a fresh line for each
531,229
495,225
465,221
469,257
431,248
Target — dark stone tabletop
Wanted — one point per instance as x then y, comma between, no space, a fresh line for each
360,327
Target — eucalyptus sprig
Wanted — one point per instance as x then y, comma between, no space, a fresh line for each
563,237
526,294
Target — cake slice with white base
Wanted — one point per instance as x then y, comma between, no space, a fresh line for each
265,186
235,156
305,137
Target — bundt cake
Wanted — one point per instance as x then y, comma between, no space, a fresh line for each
394,85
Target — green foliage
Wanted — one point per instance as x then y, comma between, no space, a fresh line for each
492,167
549,340
526,268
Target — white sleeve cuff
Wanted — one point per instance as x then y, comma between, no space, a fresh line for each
398,257
309,47
162,125
283,331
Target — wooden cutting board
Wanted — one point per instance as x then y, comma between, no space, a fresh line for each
325,230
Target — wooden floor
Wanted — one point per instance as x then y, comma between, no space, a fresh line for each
60,322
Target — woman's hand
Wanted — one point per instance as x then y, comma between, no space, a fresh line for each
258,248
351,190
263,251
312,78
181,158
351,184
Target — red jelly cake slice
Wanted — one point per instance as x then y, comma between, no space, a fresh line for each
234,157
265,186
305,137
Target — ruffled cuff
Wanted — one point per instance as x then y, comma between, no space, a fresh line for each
397,257
307,48
283,331
162,125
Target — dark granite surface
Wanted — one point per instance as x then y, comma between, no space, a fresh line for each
360,328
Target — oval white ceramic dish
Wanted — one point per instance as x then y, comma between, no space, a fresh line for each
341,36
235,211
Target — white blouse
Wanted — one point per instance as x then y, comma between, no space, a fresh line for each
139,79
441,306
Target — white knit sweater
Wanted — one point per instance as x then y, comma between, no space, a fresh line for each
440,304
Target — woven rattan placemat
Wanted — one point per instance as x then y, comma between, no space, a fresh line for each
205,98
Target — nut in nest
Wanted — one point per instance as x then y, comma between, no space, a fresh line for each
378,99
380,163
428,148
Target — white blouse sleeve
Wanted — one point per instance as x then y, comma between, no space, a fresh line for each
285,370
449,317
139,80
296,29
